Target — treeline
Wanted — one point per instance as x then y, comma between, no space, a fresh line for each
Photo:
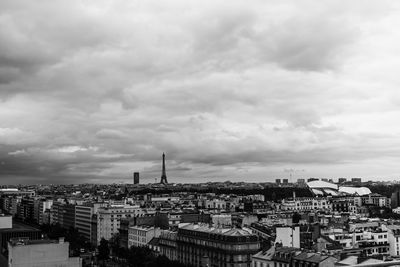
132,257
71,235
384,190
270,193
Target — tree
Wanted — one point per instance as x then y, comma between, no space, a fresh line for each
115,244
104,250
296,217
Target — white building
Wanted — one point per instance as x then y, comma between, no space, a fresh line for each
108,219
288,236
396,210
215,204
140,236
5,221
306,204
221,220
44,253
393,239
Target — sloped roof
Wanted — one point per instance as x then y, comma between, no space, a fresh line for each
317,192
265,254
351,260
154,241
322,184
355,190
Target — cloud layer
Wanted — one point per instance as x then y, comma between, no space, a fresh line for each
91,91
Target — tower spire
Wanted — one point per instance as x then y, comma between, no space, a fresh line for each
163,174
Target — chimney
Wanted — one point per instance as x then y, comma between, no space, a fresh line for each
61,240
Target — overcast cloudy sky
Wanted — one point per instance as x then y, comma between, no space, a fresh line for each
93,90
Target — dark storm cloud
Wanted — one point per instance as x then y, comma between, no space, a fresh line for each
92,90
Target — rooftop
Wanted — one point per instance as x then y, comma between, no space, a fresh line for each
19,227
221,231
25,241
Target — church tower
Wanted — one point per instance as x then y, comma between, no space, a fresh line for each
163,174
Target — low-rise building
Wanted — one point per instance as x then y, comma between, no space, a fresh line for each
46,253
140,236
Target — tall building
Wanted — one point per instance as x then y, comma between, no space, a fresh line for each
163,174
63,214
395,199
109,219
135,178
26,210
83,220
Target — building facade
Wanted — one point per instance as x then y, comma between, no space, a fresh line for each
198,245
140,236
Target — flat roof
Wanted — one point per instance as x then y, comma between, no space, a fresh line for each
20,227
24,242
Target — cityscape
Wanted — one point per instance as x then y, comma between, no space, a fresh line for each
176,133
310,222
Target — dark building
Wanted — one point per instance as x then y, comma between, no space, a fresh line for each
285,181
278,181
168,244
309,235
69,216
93,236
283,256
301,181
195,218
340,205
135,178
199,244
63,214
256,206
356,180
342,180
395,199
26,210
306,259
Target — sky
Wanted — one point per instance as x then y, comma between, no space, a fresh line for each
93,90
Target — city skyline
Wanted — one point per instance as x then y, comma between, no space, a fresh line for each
92,91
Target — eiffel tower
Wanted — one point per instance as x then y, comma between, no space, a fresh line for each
163,174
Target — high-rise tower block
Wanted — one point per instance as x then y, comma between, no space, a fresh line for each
163,174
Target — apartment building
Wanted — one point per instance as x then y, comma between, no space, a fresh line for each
109,218
139,236
200,244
